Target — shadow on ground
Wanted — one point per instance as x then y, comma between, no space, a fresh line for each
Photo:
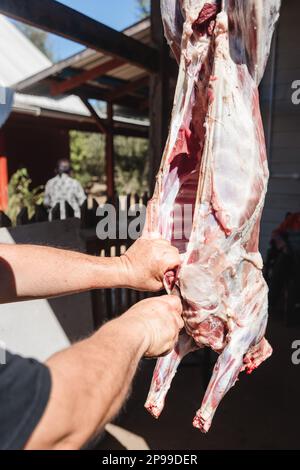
261,412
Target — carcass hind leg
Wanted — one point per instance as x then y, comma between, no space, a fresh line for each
225,374
164,373
256,355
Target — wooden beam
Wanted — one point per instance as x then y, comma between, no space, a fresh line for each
144,105
99,122
110,164
74,82
159,99
86,90
18,121
53,70
59,19
128,88
90,92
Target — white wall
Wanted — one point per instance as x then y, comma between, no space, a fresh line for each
284,157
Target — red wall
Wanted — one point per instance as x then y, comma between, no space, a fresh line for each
36,148
3,173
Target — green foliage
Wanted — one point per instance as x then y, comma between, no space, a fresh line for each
21,195
143,8
131,164
88,161
39,38
87,156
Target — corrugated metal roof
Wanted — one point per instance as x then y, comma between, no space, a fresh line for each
90,58
95,88
19,58
69,104
140,31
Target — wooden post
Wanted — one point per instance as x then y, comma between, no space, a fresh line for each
159,95
109,152
3,175
98,120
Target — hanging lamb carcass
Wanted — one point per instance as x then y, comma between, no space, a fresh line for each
213,181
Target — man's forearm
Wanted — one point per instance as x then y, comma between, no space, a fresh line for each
33,272
29,272
90,381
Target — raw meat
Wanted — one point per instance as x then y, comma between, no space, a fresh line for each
211,188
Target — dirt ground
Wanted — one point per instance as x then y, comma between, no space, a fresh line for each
261,412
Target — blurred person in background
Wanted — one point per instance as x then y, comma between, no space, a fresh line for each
63,188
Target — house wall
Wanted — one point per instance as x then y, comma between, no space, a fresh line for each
284,153
3,174
36,148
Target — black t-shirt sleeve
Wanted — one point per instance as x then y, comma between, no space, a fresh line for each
25,386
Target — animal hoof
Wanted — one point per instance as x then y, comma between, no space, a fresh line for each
154,410
201,423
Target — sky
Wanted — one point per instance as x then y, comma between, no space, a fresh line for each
115,13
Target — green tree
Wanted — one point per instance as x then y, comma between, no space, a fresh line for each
131,157
39,38
143,8
87,157
131,162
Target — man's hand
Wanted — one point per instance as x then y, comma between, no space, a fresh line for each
91,379
146,263
159,321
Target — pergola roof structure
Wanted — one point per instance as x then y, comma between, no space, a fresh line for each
115,68
94,75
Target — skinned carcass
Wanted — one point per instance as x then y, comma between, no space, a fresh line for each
211,188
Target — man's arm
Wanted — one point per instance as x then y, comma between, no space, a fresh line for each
32,272
91,380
